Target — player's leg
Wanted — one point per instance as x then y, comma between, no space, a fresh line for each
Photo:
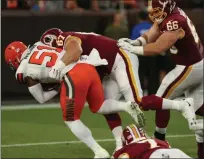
197,94
111,91
111,105
125,73
169,153
174,85
72,99
200,140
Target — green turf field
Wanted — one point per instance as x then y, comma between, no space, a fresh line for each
35,131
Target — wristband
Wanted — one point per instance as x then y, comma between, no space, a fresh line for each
142,40
139,50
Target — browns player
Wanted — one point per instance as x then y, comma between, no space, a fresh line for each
174,31
136,144
80,83
122,69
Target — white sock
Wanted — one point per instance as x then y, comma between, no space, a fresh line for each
117,133
171,104
113,106
161,130
84,134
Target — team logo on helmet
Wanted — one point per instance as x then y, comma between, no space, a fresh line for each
132,134
50,36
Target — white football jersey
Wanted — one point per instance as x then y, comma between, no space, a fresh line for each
36,63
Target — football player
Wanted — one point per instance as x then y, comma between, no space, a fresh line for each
80,82
137,144
121,72
172,30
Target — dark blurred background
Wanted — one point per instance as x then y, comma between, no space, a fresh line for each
26,20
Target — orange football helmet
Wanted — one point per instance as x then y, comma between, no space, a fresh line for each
160,9
13,53
133,134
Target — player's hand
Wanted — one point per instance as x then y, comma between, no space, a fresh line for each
55,74
132,42
126,46
138,50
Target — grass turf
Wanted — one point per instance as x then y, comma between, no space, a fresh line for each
46,125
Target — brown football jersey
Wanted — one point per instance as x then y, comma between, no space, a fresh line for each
106,47
188,50
141,149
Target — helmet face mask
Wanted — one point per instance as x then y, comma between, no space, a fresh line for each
50,40
160,9
157,15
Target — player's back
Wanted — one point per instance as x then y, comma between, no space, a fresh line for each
106,47
37,62
141,149
187,50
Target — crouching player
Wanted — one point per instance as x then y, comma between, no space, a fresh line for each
136,144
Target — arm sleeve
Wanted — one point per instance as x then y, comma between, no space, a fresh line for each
40,95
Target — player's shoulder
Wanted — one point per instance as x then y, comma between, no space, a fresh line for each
174,21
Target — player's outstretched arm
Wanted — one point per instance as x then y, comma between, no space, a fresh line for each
152,34
36,90
163,43
148,37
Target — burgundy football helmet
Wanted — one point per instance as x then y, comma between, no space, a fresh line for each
49,37
160,9
133,134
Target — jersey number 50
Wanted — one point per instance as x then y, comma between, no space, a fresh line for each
40,59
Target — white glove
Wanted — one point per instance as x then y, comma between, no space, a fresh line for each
137,42
132,42
138,50
55,71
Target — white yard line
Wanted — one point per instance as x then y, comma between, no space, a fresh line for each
32,106
76,142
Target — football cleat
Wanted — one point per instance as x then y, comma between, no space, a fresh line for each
102,153
137,114
187,110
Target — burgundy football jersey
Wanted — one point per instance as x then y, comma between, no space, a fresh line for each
188,50
106,47
141,149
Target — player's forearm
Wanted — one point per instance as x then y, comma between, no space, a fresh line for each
152,34
148,50
153,49
40,95
71,56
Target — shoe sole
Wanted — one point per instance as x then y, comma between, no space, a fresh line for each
141,121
